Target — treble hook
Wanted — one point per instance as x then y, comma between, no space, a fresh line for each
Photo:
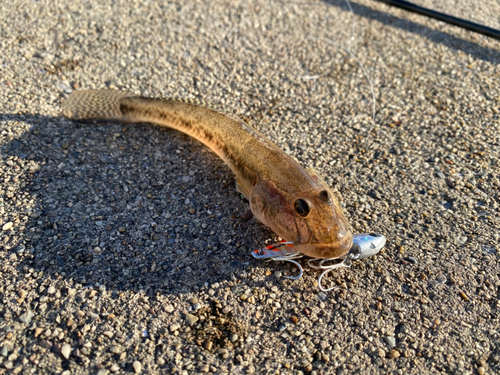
346,263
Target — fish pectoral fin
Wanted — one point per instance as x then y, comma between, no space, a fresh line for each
242,188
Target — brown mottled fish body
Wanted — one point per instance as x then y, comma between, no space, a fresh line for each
271,180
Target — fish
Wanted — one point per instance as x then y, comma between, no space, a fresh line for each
295,203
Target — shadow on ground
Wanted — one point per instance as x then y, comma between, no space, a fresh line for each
128,207
435,36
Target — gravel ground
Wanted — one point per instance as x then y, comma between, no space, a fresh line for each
126,249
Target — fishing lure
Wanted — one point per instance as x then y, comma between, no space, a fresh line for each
364,245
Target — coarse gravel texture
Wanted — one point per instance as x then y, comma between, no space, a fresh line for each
126,249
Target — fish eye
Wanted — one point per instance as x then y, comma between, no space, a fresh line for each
325,197
301,207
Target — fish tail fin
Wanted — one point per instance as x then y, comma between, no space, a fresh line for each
95,105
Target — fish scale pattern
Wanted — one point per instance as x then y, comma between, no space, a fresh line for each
94,104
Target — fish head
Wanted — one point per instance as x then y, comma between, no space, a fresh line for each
310,217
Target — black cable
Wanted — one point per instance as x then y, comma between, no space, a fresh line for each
485,30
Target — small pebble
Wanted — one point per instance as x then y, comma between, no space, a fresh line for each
114,368
66,351
390,341
441,279
233,337
8,365
224,353
394,354
197,306
51,290
464,296
8,226
411,259
108,334
322,296
137,367
26,317
191,319
117,349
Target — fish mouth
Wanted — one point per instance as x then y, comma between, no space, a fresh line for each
334,249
